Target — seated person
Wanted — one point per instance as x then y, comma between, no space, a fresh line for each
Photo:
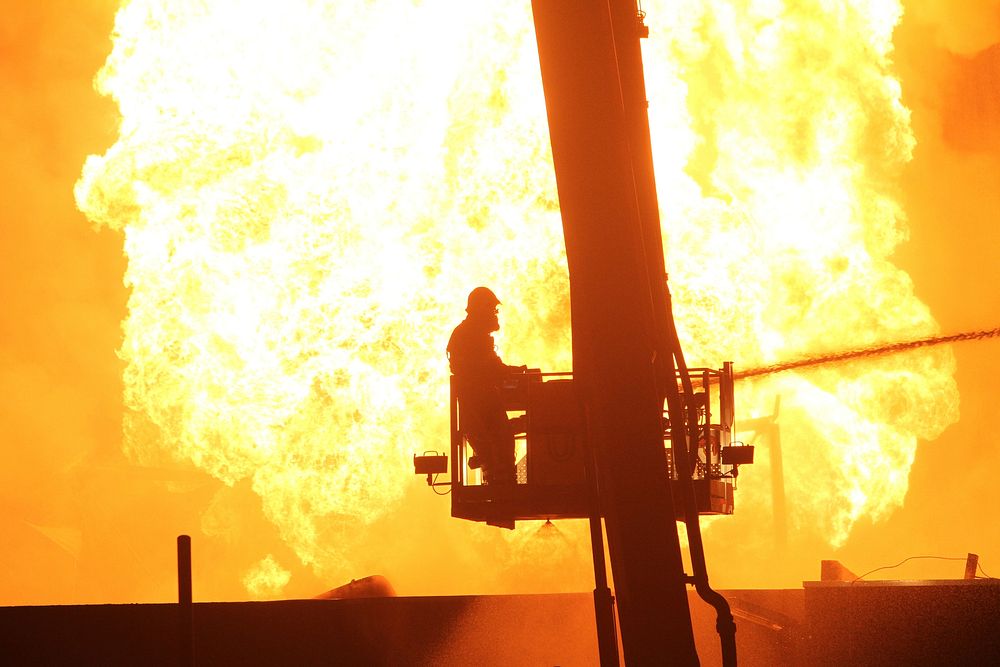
479,373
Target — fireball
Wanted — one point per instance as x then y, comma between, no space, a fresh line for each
307,195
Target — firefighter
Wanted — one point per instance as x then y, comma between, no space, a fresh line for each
479,373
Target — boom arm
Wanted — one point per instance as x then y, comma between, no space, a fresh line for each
618,327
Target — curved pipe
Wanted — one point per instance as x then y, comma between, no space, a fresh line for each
724,623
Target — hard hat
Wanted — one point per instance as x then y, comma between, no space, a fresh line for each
482,299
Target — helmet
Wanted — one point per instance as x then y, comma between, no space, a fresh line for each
482,299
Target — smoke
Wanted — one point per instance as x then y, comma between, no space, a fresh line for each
960,28
61,296
946,56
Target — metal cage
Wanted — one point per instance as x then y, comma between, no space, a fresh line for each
552,454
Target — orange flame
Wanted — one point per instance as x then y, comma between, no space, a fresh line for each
267,578
792,131
308,194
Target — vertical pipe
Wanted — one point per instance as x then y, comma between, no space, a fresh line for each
706,433
604,602
457,460
185,604
778,481
971,565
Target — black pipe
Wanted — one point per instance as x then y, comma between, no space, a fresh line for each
185,604
604,601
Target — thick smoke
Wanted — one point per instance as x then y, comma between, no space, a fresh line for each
946,56
62,303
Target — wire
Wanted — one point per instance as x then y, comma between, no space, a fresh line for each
889,567
984,571
434,488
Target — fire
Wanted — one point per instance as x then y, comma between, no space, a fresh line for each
267,578
793,129
307,195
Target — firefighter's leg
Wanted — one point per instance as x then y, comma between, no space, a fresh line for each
519,424
481,457
504,470
502,481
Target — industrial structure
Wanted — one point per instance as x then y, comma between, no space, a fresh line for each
598,442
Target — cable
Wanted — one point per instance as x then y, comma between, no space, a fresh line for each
434,488
984,572
889,567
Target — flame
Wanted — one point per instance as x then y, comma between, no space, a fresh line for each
267,578
307,195
792,131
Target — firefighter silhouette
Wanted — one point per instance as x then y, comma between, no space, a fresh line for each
479,373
